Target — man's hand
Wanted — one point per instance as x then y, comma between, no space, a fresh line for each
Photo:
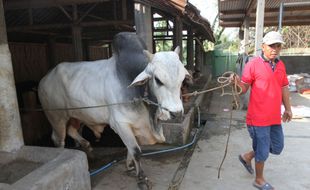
287,116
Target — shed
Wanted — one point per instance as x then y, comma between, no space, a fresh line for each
40,34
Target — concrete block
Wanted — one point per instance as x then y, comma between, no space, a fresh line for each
177,132
51,168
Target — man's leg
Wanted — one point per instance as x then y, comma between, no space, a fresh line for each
248,156
259,171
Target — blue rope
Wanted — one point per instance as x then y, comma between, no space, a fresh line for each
103,168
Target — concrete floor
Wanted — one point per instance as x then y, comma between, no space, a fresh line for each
290,170
177,170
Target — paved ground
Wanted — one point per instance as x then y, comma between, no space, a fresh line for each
288,171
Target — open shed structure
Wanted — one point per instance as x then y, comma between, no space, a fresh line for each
74,30
35,35
260,13
41,34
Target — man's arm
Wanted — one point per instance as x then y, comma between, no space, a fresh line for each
287,115
243,86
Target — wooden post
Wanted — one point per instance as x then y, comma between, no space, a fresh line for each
77,36
11,136
246,35
124,9
198,55
51,52
144,23
190,50
178,35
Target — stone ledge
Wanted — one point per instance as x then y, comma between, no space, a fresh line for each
177,132
56,169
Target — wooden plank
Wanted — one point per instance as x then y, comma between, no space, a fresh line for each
55,26
26,4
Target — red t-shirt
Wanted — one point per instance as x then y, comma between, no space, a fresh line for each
264,107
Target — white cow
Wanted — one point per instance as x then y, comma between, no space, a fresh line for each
116,80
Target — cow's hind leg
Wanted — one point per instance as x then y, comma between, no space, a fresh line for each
135,153
59,131
72,130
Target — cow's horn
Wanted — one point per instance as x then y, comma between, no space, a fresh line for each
177,50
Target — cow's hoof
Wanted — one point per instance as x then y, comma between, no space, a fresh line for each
144,184
131,173
130,165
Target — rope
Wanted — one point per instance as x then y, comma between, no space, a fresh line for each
235,91
135,100
226,79
226,146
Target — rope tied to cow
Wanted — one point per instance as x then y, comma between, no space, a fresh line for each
226,79
133,101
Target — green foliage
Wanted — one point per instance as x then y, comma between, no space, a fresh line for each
222,42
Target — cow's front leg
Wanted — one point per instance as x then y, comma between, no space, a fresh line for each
130,163
143,182
134,153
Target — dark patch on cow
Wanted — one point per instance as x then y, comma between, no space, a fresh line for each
130,58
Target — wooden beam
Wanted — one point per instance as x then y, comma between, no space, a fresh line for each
288,23
233,12
230,24
87,12
26,4
55,26
250,7
268,18
267,10
292,9
65,12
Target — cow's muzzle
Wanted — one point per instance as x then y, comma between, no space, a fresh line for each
175,115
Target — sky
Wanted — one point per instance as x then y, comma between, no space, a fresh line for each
209,9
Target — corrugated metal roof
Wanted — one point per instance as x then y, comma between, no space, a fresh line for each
233,12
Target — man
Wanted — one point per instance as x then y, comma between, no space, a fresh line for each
266,75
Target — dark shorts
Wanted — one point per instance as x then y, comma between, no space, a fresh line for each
266,139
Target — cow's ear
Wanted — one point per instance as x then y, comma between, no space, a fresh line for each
177,50
141,79
187,74
149,55
188,77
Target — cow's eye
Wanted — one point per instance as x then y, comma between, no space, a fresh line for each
159,83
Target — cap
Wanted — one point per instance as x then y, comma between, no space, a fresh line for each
273,38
